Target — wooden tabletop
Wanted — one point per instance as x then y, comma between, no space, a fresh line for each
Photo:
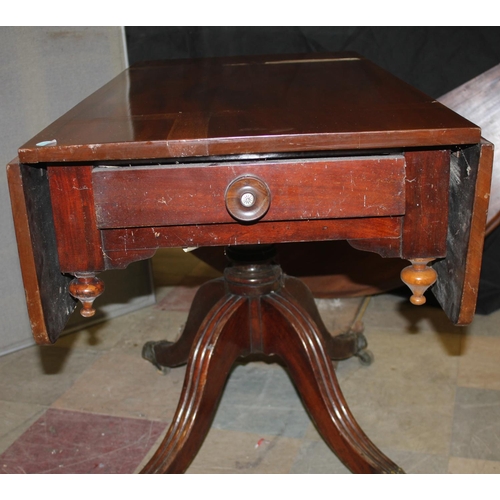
248,105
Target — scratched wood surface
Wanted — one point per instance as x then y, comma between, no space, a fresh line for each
371,186
458,274
260,104
78,239
47,298
123,246
277,105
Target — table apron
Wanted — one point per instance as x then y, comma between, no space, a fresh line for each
123,246
144,196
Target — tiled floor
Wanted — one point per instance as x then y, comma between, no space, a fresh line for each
91,404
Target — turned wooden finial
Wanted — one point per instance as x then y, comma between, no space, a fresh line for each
418,277
86,288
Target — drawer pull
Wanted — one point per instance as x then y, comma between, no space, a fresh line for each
247,198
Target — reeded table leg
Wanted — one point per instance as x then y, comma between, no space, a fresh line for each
214,353
343,346
291,334
165,354
257,309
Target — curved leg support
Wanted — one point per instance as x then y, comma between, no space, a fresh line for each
300,344
214,352
258,310
339,347
164,354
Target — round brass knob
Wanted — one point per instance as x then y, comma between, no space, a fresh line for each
247,198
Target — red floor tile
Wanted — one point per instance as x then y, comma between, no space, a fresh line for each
67,442
179,299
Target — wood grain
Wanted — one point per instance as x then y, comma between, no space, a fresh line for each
259,104
78,239
299,190
426,219
458,274
261,312
47,298
123,246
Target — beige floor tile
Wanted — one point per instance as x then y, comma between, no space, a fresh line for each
100,337
476,424
315,457
405,399
150,325
338,315
425,357
127,332
394,416
162,291
419,463
229,452
401,413
418,420
479,364
40,375
15,418
312,434
485,325
470,466
125,385
391,312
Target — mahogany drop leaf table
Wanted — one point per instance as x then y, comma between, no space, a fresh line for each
246,153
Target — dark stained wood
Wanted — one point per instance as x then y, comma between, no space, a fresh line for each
78,239
261,312
294,338
385,247
458,274
256,104
477,100
214,351
165,354
426,188
299,190
47,298
247,198
339,347
146,162
123,246
337,270
427,182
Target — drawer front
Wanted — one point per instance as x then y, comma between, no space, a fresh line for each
167,195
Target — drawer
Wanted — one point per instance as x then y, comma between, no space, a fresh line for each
180,194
